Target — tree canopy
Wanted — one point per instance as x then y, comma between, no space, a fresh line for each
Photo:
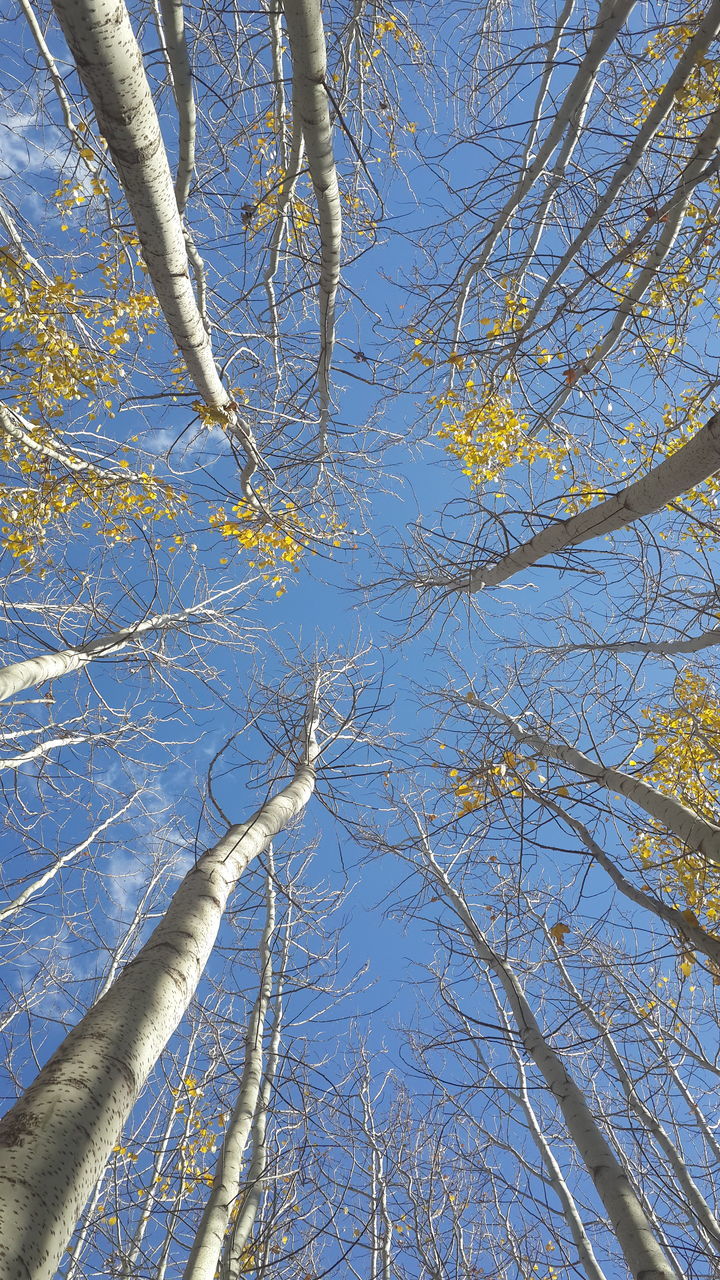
359,487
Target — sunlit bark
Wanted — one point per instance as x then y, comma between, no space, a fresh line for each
689,466
110,65
643,1255
208,1243
698,834
306,38
56,1139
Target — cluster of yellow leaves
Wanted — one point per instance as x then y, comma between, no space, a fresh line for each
270,190
392,26
698,97
491,780
514,311
490,436
270,186
276,541
357,213
681,421
580,496
686,765
681,281
201,1137
71,195
53,489
64,342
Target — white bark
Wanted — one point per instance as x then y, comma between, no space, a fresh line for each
56,1139
173,21
581,1240
707,30
255,1184
696,1208
207,1246
50,666
553,46
689,466
611,17
284,209
662,648
380,1225
175,47
48,745
45,748
656,257
306,38
110,65
69,856
642,1253
699,834
698,937
24,433
85,1226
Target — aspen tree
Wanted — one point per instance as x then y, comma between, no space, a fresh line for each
110,65
306,38
689,466
697,833
55,1140
31,672
224,1194
645,1258
698,1210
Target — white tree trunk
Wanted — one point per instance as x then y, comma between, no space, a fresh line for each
207,1246
173,21
699,834
236,1241
697,1210
694,462
663,648
110,65
707,30
643,1255
571,1214
303,19
611,18
50,666
54,1142
693,932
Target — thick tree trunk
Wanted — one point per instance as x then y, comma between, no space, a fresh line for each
699,834
642,1253
687,927
56,1139
50,666
110,65
553,1171
306,38
694,462
697,1209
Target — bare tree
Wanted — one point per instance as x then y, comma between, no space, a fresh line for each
106,1058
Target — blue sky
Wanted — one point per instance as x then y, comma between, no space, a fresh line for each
386,931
